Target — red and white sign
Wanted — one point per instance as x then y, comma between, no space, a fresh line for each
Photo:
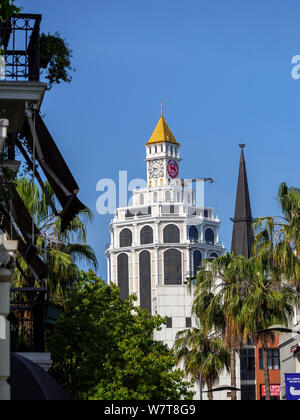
173,169
295,348
275,391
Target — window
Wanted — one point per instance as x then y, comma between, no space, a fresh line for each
172,267
193,234
209,236
197,260
123,276
188,322
155,197
273,359
169,323
145,280
168,196
129,215
247,364
248,393
146,235
213,256
205,213
125,238
171,234
142,200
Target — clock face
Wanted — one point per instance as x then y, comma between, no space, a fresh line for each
156,169
173,169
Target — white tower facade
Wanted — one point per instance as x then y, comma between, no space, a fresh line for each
159,241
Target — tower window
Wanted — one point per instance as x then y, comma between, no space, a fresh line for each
169,323
197,261
171,234
168,196
145,280
213,256
155,197
173,267
193,234
209,236
123,276
188,322
125,238
142,200
146,235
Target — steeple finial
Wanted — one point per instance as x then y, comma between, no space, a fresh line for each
162,109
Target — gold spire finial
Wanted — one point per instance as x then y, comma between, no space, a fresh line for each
162,109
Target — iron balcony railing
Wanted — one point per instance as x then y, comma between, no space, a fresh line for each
20,45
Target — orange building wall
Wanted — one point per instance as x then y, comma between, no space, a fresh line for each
274,374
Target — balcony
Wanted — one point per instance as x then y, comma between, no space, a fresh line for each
20,68
20,40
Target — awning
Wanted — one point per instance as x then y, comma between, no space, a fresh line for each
27,250
54,167
29,382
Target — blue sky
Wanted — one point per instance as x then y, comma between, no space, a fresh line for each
223,70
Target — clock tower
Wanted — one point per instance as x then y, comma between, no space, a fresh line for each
161,238
162,156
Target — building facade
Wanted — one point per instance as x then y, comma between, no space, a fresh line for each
289,345
160,240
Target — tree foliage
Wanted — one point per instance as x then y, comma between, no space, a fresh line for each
7,9
103,349
55,58
194,347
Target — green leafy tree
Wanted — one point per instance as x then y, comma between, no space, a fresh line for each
103,348
55,59
193,347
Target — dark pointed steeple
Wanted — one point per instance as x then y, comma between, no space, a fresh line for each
242,237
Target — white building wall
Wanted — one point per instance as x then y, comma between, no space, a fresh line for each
176,302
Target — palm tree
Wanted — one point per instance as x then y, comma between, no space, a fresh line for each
277,248
193,347
61,251
219,294
278,238
268,301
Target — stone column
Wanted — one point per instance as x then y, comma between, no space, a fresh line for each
7,259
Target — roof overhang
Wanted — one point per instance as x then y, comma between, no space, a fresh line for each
13,98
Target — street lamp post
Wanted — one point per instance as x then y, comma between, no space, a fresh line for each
201,373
